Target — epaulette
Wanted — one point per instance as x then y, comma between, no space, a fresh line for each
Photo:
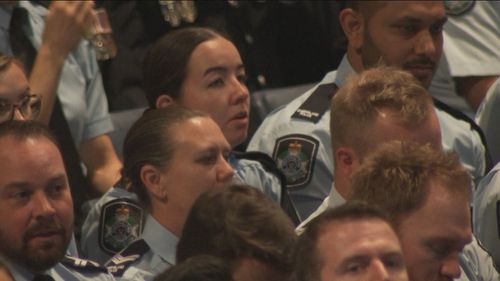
270,166
121,261
83,265
121,222
317,103
461,116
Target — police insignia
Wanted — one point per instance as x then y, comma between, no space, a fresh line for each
294,155
120,224
458,7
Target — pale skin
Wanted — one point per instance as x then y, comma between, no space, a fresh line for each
64,25
201,147
359,250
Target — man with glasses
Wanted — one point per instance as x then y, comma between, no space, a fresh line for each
16,100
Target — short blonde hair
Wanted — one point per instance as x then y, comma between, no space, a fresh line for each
355,107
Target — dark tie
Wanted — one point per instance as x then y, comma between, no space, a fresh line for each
42,277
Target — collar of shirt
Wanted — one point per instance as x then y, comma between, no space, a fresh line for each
160,240
334,198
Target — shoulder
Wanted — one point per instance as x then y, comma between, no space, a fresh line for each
118,264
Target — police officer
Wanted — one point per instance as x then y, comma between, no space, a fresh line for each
297,135
205,73
171,156
37,208
428,195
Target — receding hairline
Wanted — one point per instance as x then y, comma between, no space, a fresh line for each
367,8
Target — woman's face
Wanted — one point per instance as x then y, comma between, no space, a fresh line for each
215,83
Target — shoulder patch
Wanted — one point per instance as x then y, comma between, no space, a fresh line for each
458,7
121,222
82,264
295,156
317,103
121,261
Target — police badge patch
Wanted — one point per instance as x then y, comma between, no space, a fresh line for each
295,155
121,222
458,7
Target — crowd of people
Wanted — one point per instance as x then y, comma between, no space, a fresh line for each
384,170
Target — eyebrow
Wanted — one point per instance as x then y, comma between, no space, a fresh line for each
222,69
24,93
27,185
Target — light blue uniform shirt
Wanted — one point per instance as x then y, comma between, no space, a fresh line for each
160,256
247,171
80,88
486,213
488,118
59,272
456,135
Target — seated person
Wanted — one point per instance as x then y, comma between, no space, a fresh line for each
170,157
199,69
427,194
198,268
243,226
36,208
354,241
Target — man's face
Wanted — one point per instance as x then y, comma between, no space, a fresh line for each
199,163
35,203
360,250
215,83
405,34
433,236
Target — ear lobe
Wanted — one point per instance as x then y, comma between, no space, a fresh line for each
152,179
352,23
163,101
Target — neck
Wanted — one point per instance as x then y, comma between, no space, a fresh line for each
173,223
342,185
354,59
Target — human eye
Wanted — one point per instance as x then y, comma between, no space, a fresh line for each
216,83
207,158
242,78
439,250
56,190
407,28
5,107
21,195
394,261
437,28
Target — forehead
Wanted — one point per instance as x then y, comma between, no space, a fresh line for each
344,239
199,132
12,79
29,159
444,213
421,11
214,52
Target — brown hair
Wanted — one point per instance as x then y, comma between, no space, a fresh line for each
151,140
308,263
164,67
397,177
357,103
238,221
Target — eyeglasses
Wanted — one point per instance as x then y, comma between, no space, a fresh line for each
29,107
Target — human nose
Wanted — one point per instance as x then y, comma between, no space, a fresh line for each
451,267
240,90
17,115
428,44
225,172
379,271
42,206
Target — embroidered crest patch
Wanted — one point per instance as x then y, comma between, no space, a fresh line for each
458,7
295,155
121,222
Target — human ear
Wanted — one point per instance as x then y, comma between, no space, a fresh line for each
163,101
152,179
352,23
346,160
